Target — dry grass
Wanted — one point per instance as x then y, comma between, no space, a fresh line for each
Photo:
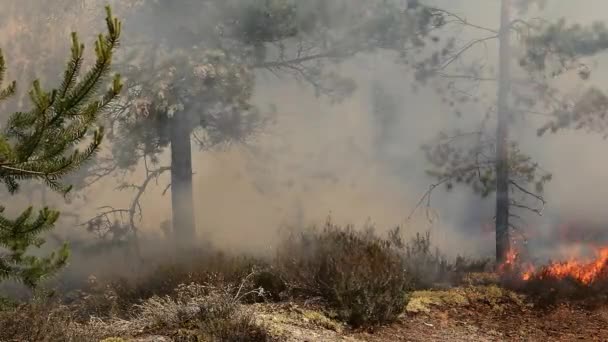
44,320
356,276
207,313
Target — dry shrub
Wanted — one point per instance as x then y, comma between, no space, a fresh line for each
195,313
211,312
115,297
241,327
196,267
43,320
222,318
360,276
428,267
95,300
36,321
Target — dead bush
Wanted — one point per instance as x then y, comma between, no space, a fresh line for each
222,318
42,319
360,276
241,327
207,313
115,297
428,267
425,265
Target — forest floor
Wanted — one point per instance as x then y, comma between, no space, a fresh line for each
497,315
476,313
350,277
471,313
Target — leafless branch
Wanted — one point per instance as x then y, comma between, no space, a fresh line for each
99,172
539,212
464,49
467,77
134,210
527,192
450,139
461,20
166,189
295,61
427,196
428,193
135,203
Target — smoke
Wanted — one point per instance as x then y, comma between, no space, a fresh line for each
319,158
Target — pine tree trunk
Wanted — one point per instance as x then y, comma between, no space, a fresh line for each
502,137
181,180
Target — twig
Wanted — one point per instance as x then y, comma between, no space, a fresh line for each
427,195
462,20
522,189
539,212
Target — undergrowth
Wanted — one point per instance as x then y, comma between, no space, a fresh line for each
358,276
195,313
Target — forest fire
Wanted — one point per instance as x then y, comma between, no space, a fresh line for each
586,272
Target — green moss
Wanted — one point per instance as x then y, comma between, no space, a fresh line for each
495,296
297,316
113,339
498,298
319,319
422,301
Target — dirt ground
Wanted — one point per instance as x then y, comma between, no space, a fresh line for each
469,313
486,313
476,324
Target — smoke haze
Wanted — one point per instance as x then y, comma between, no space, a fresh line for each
319,159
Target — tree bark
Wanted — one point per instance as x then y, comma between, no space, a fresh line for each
181,180
502,136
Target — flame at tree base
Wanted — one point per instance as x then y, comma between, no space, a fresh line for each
585,272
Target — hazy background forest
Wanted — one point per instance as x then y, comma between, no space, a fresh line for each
375,114
319,158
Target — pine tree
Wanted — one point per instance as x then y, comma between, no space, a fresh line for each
493,163
195,81
43,144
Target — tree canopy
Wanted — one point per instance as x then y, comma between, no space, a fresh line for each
198,76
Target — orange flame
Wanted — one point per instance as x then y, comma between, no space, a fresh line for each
510,261
584,272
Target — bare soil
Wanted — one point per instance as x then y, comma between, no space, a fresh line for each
564,323
485,313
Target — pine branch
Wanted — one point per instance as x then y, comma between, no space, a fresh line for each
10,90
41,144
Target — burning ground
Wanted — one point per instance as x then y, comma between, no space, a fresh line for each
588,271
578,267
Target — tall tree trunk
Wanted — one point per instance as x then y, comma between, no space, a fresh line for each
502,136
181,180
